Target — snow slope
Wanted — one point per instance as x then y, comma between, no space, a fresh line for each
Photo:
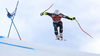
12,47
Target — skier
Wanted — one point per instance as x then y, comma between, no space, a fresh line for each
56,17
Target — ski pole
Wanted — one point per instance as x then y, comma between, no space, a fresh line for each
16,29
7,10
82,29
17,4
9,30
49,7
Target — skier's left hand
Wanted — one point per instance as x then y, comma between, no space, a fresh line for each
73,18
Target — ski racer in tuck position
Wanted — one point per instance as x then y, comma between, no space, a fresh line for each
56,17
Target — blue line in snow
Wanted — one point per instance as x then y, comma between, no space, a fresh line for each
2,37
17,46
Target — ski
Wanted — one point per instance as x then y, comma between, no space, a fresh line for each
61,39
82,29
49,8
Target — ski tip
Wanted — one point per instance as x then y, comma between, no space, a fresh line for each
61,40
7,36
64,39
53,4
18,1
6,9
20,38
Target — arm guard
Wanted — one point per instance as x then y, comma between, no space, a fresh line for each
46,13
68,17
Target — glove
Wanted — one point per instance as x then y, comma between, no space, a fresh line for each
41,14
73,18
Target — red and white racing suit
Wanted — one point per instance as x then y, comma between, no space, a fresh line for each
57,21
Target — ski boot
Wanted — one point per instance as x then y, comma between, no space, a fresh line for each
57,37
61,36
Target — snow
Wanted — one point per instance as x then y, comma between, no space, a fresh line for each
12,47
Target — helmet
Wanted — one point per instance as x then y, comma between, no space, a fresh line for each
56,12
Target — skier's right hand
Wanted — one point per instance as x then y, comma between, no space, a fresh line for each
41,14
